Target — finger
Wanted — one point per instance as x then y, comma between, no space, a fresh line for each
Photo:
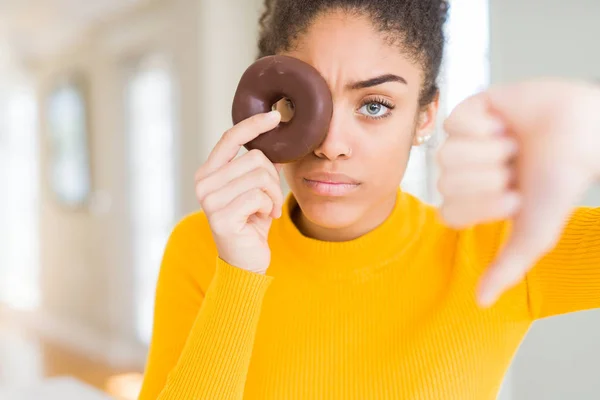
234,217
258,178
231,142
473,118
464,183
459,152
468,211
535,231
515,102
252,160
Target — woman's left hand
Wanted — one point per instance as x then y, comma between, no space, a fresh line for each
526,152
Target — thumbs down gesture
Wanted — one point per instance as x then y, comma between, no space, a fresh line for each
526,152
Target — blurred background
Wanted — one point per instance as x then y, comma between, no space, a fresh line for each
108,107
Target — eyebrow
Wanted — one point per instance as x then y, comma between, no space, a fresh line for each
378,80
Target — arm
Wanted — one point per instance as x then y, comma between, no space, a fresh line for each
202,339
567,279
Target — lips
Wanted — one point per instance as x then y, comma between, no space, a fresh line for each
331,178
330,184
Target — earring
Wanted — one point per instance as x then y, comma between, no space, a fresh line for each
422,139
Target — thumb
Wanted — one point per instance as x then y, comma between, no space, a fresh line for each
546,206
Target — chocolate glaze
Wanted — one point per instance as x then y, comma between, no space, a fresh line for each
267,81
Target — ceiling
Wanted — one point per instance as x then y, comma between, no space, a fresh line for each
38,27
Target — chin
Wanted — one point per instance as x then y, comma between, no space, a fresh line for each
330,213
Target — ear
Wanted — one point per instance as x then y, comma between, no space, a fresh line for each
426,121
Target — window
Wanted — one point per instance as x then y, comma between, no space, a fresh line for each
19,202
151,148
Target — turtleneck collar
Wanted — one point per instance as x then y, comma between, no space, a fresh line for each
375,248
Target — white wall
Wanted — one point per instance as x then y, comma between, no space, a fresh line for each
560,358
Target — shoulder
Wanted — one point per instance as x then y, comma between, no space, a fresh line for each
430,219
427,219
478,243
192,230
482,242
190,252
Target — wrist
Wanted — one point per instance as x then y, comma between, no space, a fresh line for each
225,269
595,115
584,107
238,264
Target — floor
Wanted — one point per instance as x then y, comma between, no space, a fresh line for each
26,357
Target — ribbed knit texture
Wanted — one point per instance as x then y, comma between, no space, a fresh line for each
390,315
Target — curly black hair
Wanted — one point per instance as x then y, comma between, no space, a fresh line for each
416,26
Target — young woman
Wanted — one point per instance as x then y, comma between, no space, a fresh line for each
350,288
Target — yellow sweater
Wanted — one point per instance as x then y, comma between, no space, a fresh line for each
391,315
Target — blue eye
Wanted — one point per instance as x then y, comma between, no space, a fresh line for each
375,109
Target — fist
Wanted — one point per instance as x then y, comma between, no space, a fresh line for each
526,152
477,168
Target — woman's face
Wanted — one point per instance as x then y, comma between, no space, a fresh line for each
347,186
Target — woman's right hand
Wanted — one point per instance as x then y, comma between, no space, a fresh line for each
241,196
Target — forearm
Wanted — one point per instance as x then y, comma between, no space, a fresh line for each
215,360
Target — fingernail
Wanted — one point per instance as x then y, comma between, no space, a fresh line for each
274,115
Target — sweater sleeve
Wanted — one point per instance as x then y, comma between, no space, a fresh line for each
202,339
568,278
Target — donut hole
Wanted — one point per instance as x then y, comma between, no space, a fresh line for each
286,108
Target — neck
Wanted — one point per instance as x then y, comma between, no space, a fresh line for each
370,220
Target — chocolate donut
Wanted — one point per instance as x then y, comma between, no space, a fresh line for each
267,81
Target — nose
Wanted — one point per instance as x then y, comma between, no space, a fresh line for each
336,145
